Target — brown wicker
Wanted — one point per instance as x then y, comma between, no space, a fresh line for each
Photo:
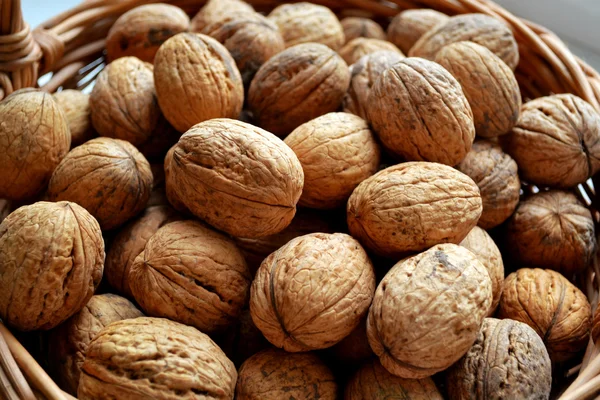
70,46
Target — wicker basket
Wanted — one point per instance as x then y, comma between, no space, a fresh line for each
69,48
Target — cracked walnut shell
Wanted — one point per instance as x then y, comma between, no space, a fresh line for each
355,49
407,27
355,27
76,106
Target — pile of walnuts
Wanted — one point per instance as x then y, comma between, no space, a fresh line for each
290,205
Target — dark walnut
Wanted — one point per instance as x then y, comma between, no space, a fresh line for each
154,358
274,374
556,141
496,175
555,308
196,80
296,86
422,292
407,27
191,274
420,113
140,31
354,349
108,177
355,27
507,361
214,10
69,341
312,292
52,259
242,340
76,106
356,48
32,142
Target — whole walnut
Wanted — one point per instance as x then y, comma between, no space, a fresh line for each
312,292
196,80
191,274
170,190
359,47
555,308
337,152
354,348
412,206
32,142
307,22
552,230
420,113
108,177
5,209
52,259
496,175
355,27
556,141
69,341
154,358
408,26
274,374
482,29
296,86
507,361
242,340
76,107
214,10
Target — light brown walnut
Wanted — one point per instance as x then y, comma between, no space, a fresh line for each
408,26
355,27
76,106
214,10
356,48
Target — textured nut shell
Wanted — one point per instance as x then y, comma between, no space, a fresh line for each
496,175
355,27
297,85
478,28
337,152
52,259
152,358
420,113
556,141
191,274
413,206
407,27
507,361
555,308
217,9
312,292
76,107
356,48
196,80
34,138
274,374
108,177
170,192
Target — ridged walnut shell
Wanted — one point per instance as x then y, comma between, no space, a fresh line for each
52,259
406,28
214,10
355,27
420,113
153,358
359,47
312,292
76,106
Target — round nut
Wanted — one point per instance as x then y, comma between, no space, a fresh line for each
407,27
312,292
356,48
76,106
242,340
355,27
52,259
217,9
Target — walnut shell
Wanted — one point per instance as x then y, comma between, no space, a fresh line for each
191,274
296,86
170,190
108,177
196,80
312,292
355,27
76,107
422,292
507,361
359,47
412,206
408,26
52,259
482,29
354,348
242,340
496,175
420,113
217,9
556,141
153,358
34,138
274,374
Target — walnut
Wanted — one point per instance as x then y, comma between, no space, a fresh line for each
482,29
170,190
552,230
407,27
355,27
422,291
356,48
274,374
140,31
420,113
337,152
76,106
496,175
69,341
242,340
196,80
217,9
556,141
297,85
412,206
5,209
307,22
312,292
237,177
32,142
52,258
354,348
507,361
153,358
191,274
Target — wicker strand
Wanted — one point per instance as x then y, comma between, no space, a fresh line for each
14,385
